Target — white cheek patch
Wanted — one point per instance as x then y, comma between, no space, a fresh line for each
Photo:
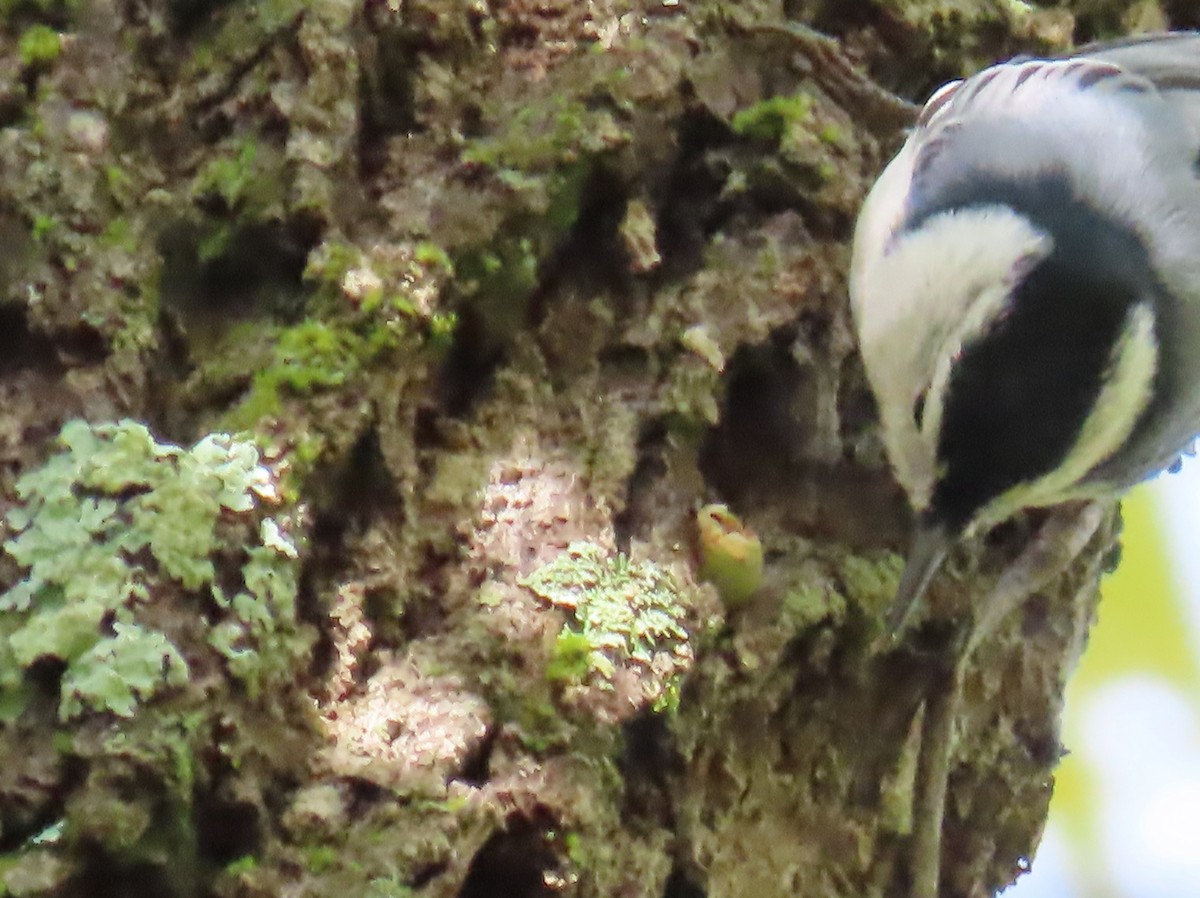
948,268
931,293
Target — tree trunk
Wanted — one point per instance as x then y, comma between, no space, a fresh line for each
503,292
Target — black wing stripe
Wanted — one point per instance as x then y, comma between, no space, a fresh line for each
1098,72
1029,72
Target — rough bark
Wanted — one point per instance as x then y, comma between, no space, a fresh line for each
505,291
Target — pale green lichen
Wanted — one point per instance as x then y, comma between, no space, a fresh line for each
626,614
102,526
116,672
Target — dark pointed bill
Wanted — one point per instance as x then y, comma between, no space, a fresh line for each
925,555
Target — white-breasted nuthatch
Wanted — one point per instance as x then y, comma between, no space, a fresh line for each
1025,286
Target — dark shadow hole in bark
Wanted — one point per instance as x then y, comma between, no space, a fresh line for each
514,281
12,107
20,14
476,770
258,276
689,197
858,413
257,272
589,260
22,349
751,452
680,885
352,489
426,874
774,450
649,762
45,676
363,796
346,493
103,877
832,16
187,16
387,80
226,830
1098,24
28,811
640,505
513,864
466,375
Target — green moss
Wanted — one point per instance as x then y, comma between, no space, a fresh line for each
313,355
871,581
321,858
229,177
378,297
693,394
770,119
812,597
247,181
44,227
539,725
39,46
506,271
245,864
571,660
542,156
309,357
119,182
545,134
329,263
626,614
100,527
833,135
430,255
119,234
442,326
100,815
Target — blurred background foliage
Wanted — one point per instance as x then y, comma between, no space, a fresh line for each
1125,818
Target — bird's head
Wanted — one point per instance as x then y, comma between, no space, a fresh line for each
1010,354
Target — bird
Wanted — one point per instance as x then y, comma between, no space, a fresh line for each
1025,289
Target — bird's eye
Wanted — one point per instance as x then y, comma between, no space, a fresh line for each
919,407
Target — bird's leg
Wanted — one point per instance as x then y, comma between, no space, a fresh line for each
1057,544
933,774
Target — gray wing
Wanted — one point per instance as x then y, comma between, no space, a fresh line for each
1171,62
1012,121
1112,113
1163,58
1100,115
